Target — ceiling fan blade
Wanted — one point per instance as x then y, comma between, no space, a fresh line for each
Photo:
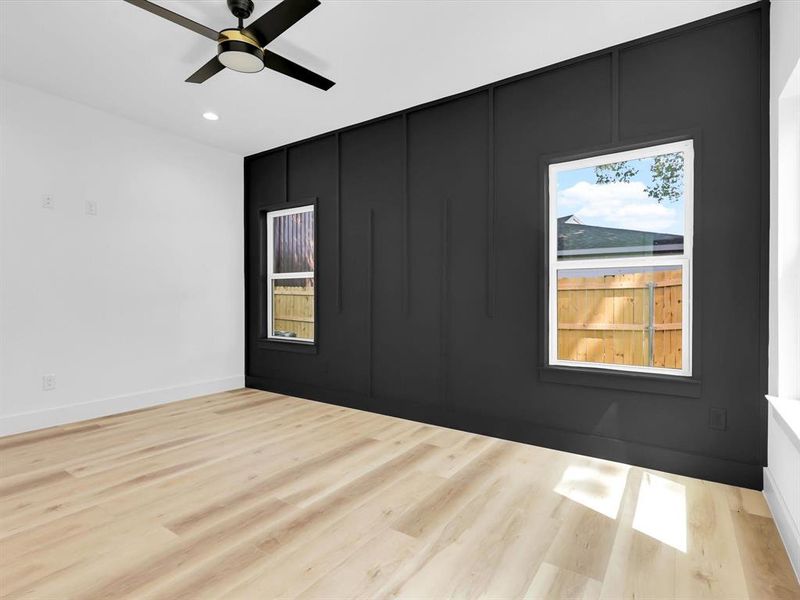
274,22
207,71
283,65
175,18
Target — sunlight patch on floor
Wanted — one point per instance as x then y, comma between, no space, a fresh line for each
599,486
661,511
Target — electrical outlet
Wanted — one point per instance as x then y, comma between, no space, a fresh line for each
718,418
48,382
48,202
91,207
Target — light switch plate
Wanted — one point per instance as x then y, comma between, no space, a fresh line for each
718,418
48,382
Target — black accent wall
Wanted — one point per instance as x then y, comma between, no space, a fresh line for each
431,275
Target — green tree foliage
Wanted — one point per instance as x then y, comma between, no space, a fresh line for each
666,171
667,174
615,172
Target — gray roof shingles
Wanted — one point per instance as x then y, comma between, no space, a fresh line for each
576,238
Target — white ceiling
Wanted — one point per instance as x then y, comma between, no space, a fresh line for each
384,55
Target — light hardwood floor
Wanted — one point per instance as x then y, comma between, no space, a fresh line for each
254,495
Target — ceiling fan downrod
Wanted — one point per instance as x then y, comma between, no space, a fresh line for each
241,9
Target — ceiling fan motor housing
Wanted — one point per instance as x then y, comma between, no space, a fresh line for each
241,9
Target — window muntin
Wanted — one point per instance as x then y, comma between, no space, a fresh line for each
290,274
620,254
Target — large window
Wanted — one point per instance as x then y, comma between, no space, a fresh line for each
620,258
290,274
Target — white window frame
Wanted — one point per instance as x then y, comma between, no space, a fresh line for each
679,260
272,276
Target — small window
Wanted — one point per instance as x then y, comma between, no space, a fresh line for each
290,274
620,253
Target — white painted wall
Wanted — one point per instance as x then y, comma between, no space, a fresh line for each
782,475
788,233
784,198
138,305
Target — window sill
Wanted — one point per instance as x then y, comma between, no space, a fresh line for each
668,385
287,346
789,410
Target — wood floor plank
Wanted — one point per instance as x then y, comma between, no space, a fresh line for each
249,494
119,437
614,579
767,569
171,499
273,485
489,521
441,503
583,543
286,574
554,582
154,570
651,568
749,501
366,570
70,569
102,487
711,565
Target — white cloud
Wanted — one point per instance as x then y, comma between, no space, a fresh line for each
622,205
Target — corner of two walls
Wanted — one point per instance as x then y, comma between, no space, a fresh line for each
782,473
136,305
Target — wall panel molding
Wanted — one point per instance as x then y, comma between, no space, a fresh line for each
471,252
615,109
370,301
444,303
286,174
406,225
491,210
339,303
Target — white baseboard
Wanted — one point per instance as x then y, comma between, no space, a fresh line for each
61,415
783,521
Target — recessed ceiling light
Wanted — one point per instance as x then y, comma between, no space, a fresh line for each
210,116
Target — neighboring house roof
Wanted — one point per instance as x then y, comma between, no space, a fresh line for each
576,238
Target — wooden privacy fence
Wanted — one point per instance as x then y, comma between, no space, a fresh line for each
293,310
627,319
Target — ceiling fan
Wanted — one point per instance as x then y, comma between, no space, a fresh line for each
243,48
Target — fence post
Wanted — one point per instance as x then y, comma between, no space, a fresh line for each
651,287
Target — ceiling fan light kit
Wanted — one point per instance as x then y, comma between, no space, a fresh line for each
243,49
238,52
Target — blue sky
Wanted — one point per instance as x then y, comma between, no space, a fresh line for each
620,205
